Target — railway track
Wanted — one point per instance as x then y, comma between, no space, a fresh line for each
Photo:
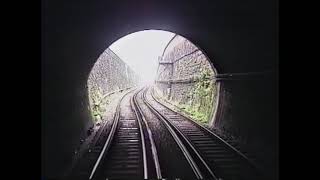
124,152
198,166
216,158
148,140
84,166
130,151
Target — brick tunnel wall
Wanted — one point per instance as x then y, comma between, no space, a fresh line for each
242,36
182,63
110,73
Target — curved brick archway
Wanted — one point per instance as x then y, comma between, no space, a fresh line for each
240,37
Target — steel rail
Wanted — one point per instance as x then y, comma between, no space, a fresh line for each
254,165
141,117
190,145
144,154
186,153
110,136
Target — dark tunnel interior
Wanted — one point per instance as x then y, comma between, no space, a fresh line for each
241,37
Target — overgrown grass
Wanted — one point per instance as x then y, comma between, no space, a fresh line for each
194,113
202,98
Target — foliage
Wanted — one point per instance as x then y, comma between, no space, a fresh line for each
202,98
98,104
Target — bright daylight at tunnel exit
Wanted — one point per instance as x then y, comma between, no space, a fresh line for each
159,90
178,71
153,101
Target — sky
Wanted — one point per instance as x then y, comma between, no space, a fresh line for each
140,50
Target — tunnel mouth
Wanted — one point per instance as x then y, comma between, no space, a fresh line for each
179,71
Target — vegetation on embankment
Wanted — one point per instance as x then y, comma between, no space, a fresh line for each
98,104
202,98
100,101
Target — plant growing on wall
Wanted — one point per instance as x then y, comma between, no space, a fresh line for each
205,92
202,98
98,103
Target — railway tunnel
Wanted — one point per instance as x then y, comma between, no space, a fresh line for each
239,37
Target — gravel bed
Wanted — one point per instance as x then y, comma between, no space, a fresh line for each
172,162
83,157
256,151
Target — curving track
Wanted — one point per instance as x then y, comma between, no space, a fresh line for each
123,155
175,159
223,160
148,140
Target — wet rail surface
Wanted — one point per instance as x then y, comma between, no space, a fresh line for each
224,161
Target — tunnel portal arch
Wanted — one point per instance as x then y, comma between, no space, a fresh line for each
198,64
239,36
